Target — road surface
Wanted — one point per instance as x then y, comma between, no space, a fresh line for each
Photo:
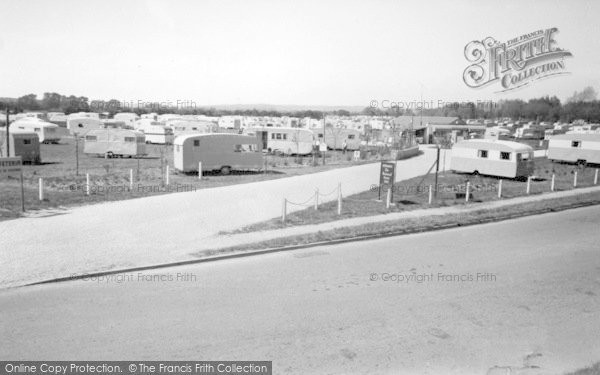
165,228
533,300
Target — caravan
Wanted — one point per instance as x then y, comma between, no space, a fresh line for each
46,131
290,141
494,158
112,142
155,132
217,151
129,118
191,127
575,148
22,143
335,138
82,125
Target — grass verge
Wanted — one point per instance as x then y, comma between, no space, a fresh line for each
414,225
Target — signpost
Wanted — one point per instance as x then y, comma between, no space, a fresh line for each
387,176
13,167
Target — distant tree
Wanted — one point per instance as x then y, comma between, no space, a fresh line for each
588,94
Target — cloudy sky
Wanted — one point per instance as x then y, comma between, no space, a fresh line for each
279,52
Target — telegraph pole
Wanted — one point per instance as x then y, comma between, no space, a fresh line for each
437,169
323,138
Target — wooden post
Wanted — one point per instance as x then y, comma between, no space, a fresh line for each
130,179
528,184
468,191
500,188
41,183
76,155
283,210
87,184
430,194
200,170
8,132
22,191
167,175
316,199
552,183
339,198
575,179
596,177
388,199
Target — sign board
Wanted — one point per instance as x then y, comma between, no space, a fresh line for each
387,176
10,167
322,147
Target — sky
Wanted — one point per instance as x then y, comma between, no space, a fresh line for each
322,52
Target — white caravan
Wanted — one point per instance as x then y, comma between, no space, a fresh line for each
114,142
290,141
82,125
575,148
155,132
493,158
46,131
335,138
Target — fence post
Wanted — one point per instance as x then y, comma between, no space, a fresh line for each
596,177
283,210
87,184
200,170
388,199
41,189
130,179
552,183
468,191
430,194
316,199
167,175
339,198
528,184
575,179
500,188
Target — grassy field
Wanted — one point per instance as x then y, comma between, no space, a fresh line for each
64,180
414,194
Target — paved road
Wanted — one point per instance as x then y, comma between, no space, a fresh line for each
162,229
320,311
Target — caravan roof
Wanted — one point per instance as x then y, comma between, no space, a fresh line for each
492,144
591,137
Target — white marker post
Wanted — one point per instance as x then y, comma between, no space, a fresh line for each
552,183
500,188
41,189
468,191
339,198
430,194
596,177
200,170
87,184
316,199
575,179
130,179
528,184
167,175
388,199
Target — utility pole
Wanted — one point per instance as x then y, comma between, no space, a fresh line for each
76,154
437,169
324,116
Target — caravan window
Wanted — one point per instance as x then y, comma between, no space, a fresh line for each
523,156
272,135
278,135
91,138
27,141
482,153
576,144
504,155
196,142
36,129
284,136
129,139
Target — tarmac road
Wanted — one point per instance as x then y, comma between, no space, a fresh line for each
518,293
165,228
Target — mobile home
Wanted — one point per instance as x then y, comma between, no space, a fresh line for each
82,125
155,132
575,148
46,131
335,138
290,141
491,157
128,118
217,151
22,143
113,142
192,127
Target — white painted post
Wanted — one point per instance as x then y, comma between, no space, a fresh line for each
468,191
167,175
283,210
596,177
200,170
575,179
316,199
388,199
500,188
430,194
552,183
131,179
528,184
41,189
87,184
339,198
